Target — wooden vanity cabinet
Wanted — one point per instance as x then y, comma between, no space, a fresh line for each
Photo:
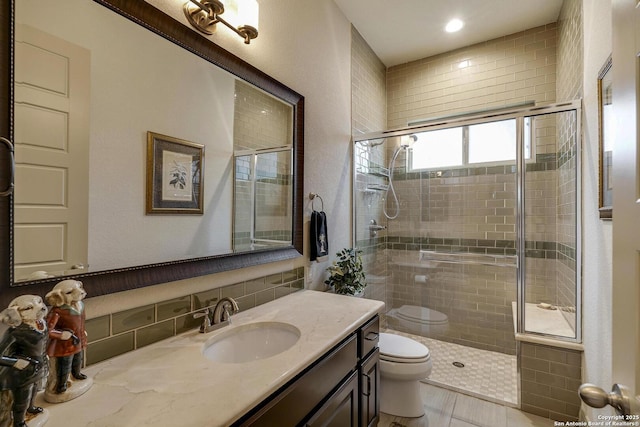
369,372
339,390
341,410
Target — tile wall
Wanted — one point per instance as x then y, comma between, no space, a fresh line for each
505,71
570,80
125,331
369,114
550,377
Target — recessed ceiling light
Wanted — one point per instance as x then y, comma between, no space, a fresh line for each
454,25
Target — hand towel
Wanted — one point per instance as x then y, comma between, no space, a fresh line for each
318,237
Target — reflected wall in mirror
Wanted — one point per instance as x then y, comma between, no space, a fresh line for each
84,102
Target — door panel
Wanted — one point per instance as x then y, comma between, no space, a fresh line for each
626,206
52,85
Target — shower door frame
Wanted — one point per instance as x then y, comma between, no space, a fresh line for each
517,113
253,154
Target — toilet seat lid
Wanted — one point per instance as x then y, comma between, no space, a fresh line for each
397,348
422,315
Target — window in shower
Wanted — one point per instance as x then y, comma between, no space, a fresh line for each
490,143
437,148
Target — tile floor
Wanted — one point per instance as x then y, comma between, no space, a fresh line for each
447,408
486,374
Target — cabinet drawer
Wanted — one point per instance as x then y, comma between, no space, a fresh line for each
368,337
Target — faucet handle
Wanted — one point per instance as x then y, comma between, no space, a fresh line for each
206,323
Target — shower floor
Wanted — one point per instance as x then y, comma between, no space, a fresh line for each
486,374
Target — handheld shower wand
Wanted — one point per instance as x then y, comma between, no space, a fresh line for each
404,144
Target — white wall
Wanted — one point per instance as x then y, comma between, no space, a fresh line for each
596,284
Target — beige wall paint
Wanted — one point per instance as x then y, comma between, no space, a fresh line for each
596,285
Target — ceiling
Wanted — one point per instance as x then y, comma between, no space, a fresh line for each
405,30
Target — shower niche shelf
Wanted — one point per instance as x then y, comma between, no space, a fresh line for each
375,188
379,171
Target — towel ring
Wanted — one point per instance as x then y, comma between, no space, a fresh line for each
312,197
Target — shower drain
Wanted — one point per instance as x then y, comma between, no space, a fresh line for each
458,364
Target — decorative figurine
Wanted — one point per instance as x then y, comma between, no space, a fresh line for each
23,362
67,341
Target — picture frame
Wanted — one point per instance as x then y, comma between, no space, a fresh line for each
175,181
605,141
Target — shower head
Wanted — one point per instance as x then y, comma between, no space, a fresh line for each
407,141
372,144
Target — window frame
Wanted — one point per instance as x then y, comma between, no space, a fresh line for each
465,149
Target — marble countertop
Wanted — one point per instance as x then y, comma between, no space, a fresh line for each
170,383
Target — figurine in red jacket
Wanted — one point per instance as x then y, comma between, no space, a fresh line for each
67,337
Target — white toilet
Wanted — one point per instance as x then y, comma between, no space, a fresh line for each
418,320
403,363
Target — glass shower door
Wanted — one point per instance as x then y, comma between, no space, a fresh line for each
262,199
551,223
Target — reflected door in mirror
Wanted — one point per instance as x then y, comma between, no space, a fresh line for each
52,83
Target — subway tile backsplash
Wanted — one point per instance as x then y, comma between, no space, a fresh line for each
124,331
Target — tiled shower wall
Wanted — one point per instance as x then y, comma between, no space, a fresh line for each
369,114
570,78
472,213
259,114
508,70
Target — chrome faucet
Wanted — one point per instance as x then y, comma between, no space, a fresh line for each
219,316
224,309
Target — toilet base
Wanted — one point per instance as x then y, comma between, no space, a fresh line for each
400,398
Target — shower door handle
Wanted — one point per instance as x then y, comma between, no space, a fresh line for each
620,397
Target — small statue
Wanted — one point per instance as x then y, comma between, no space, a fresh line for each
67,341
23,362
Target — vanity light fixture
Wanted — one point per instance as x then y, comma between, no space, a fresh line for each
205,14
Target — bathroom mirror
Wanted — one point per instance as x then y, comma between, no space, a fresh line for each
188,90
606,138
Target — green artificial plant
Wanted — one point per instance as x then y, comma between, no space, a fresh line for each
346,274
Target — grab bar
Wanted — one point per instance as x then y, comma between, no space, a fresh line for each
280,242
469,258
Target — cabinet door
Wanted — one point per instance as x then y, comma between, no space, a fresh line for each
369,390
341,410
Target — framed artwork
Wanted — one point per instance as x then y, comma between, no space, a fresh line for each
605,128
175,178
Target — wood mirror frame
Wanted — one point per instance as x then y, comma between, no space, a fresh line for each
117,280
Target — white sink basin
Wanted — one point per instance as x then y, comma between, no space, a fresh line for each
253,341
